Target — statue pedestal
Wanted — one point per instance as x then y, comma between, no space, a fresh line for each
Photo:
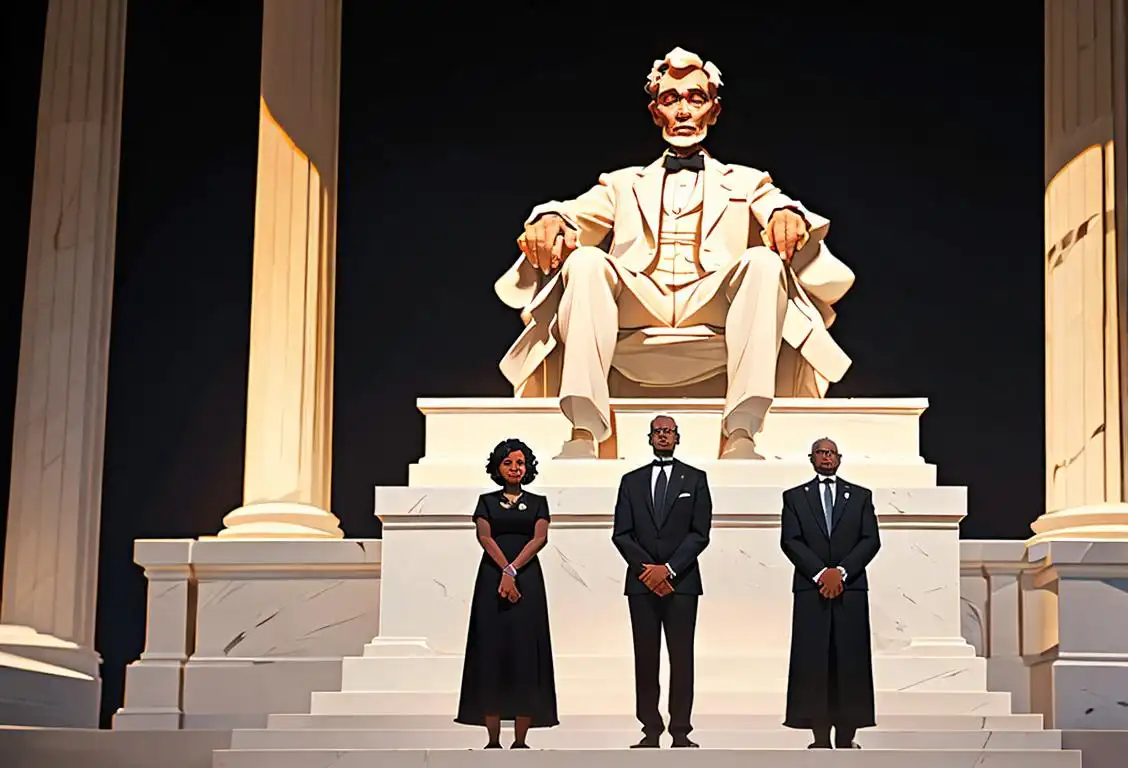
1076,610
923,664
402,693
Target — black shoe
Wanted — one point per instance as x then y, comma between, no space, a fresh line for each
684,742
493,745
851,745
648,742
518,745
818,745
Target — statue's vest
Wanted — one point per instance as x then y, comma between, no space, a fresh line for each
679,238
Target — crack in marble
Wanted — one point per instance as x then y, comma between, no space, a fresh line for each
939,675
222,594
322,591
1080,451
268,618
443,587
159,592
332,624
921,549
234,642
568,568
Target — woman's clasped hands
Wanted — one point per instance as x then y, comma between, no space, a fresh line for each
508,588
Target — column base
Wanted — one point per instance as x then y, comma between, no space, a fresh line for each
280,520
47,682
1097,522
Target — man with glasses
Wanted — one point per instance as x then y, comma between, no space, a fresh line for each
829,531
662,519
676,273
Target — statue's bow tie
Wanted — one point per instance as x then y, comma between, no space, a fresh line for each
694,162
663,462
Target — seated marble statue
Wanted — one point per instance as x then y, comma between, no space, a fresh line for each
685,270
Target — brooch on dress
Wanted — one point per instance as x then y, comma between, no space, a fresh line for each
509,505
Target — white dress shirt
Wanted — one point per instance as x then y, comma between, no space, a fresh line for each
833,499
679,188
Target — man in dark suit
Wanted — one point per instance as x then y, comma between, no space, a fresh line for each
829,531
662,520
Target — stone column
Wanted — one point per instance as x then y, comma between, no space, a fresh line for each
1085,263
1074,600
51,555
286,490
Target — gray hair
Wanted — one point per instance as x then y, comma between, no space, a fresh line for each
815,444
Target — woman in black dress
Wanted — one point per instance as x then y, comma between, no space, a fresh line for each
507,673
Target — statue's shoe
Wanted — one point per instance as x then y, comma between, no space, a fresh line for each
578,449
741,448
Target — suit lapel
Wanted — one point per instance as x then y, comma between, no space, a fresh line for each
648,193
717,191
644,488
841,498
673,488
814,505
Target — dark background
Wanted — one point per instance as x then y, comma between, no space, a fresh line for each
919,137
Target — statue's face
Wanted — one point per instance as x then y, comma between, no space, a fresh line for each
683,108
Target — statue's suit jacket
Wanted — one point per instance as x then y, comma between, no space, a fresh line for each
621,215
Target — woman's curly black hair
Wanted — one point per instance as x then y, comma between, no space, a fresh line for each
503,449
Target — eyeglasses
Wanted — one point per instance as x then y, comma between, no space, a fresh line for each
664,431
824,452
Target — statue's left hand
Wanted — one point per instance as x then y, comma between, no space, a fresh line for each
786,233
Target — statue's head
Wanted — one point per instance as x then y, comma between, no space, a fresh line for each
683,97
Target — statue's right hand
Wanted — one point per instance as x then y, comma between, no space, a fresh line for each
547,242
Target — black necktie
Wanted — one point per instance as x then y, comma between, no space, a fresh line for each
660,487
695,162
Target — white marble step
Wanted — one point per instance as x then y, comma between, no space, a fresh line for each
564,738
625,722
648,758
713,672
621,699
865,428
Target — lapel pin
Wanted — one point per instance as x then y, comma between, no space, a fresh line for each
847,495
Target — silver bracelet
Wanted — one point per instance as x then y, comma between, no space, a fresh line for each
509,570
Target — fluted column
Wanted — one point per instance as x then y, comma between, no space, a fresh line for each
1085,262
51,547
286,492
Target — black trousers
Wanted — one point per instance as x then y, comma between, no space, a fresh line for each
843,737
676,616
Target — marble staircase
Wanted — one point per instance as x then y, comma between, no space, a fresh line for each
396,701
